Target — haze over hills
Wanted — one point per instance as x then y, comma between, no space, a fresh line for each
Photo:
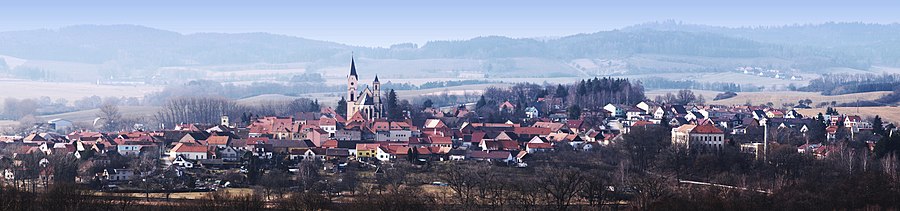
91,52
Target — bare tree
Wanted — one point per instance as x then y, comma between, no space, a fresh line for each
112,118
196,110
562,185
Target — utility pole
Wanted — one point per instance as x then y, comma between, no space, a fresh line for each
765,138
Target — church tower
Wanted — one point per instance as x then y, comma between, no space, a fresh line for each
352,80
379,109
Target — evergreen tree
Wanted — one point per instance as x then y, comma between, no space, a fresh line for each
394,112
582,89
314,106
342,107
574,112
561,92
428,103
877,126
481,102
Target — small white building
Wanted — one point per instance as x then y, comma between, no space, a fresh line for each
118,174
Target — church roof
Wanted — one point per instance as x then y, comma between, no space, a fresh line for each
376,77
353,67
369,100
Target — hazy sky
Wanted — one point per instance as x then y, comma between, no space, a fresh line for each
381,23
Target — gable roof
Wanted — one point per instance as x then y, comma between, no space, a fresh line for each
706,129
489,155
189,148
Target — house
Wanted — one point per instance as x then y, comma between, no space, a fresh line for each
554,127
831,132
774,113
538,147
318,136
704,136
793,114
507,107
694,115
457,154
60,124
180,161
634,113
439,141
337,154
219,141
347,135
366,151
532,112
436,127
118,174
189,151
9,174
382,154
851,121
227,154
501,156
615,110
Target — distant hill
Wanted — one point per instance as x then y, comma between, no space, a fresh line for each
652,47
877,43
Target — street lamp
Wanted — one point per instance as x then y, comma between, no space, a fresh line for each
765,124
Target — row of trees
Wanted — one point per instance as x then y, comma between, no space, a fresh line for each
837,84
662,83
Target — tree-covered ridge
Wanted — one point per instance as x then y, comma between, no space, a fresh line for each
142,47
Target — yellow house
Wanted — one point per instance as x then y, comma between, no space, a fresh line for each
366,150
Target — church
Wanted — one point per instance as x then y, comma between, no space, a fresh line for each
366,103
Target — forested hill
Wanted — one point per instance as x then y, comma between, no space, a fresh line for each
877,43
136,46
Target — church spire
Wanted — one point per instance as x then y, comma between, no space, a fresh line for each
352,66
376,77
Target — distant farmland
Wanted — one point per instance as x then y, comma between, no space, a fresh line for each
776,97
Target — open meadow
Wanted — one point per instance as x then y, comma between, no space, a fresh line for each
21,89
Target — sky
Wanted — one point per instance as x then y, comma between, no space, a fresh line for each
382,23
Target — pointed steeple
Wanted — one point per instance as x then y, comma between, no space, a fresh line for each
376,77
352,67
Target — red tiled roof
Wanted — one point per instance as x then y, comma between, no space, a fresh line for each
532,131
182,147
539,146
366,147
509,145
440,140
218,140
706,129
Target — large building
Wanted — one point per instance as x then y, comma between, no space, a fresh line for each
704,136
366,103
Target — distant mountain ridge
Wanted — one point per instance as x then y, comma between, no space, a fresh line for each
810,47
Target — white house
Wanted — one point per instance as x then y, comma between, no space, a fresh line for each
60,124
180,161
189,151
706,135
532,112
118,174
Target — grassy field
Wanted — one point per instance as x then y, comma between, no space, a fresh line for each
776,97
887,113
186,195
89,115
333,97
21,89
